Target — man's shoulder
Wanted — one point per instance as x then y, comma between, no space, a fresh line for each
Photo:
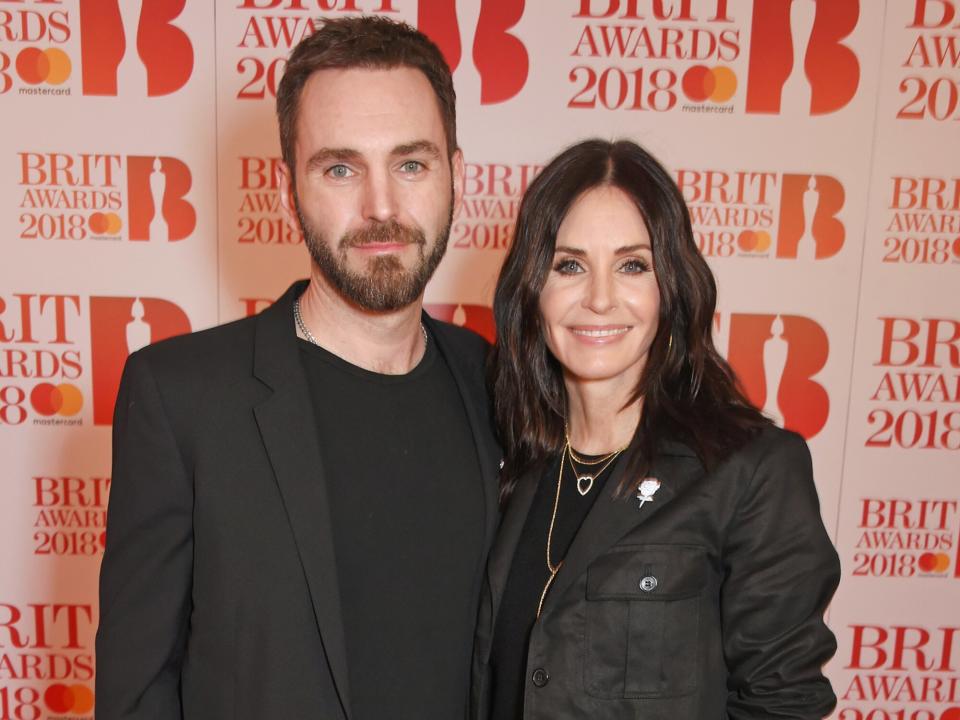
208,353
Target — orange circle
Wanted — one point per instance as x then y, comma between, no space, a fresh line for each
71,399
32,66
747,240
763,240
113,224
725,84
59,65
45,399
82,699
698,83
59,698
98,223
942,562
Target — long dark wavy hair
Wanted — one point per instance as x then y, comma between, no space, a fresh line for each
689,391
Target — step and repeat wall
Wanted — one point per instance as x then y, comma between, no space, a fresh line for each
817,143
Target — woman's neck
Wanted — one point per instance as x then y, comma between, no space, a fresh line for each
597,421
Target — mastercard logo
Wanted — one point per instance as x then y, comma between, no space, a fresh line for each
934,563
64,399
717,84
104,223
956,253
61,698
35,66
950,714
754,241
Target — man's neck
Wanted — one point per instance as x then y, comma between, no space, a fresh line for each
390,343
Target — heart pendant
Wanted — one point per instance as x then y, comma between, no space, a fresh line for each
584,484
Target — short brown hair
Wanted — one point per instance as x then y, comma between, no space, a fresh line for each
365,41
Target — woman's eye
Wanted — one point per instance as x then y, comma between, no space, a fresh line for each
339,171
635,265
568,266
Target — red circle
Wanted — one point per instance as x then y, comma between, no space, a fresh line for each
46,399
747,240
956,247
927,562
950,714
698,83
98,223
59,698
103,539
32,66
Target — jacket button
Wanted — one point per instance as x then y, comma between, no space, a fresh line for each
648,584
540,677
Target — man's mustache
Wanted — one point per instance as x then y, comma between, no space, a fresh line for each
391,232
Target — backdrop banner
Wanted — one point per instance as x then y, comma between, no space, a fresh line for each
817,143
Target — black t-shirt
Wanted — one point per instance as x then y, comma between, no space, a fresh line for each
529,574
403,480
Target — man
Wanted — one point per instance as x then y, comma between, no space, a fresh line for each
302,501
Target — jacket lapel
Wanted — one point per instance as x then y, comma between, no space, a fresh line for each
477,407
289,434
501,555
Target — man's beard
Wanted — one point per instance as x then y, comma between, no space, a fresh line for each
385,285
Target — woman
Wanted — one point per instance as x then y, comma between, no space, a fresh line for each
662,553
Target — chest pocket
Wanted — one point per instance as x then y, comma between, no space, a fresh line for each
643,621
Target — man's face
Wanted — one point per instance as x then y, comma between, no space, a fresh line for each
374,189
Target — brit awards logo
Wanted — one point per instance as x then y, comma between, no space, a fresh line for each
271,30
916,403
757,214
78,196
899,538
924,222
491,201
46,656
70,517
132,49
45,362
929,88
120,326
259,218
499,56
800,62
656,56
777,359
903,670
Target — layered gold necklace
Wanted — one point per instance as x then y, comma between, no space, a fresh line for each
584,485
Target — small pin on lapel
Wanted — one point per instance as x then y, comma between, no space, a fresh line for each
646,490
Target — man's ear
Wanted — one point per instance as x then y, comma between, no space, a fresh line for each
458,171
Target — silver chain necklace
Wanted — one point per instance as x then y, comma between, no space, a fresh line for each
302,326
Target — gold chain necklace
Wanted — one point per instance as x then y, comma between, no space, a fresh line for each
553,519
584,479
566,433
567,452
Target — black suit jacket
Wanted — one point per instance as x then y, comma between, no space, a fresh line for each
218,590
733,626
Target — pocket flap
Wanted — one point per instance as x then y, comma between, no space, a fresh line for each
648,572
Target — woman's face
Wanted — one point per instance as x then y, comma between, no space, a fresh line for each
600,304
